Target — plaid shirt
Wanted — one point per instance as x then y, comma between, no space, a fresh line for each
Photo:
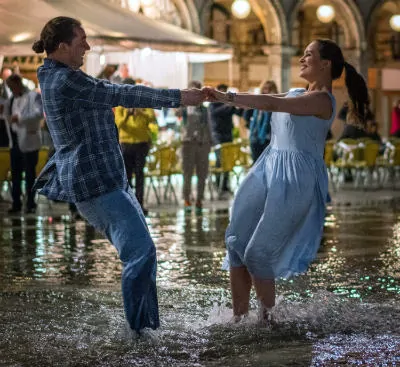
87,161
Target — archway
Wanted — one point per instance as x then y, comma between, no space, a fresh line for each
383,40
384,58
189,15
273,20
348,19
257,41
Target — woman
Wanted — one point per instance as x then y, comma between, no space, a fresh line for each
260,123
135,139
278,213
196,145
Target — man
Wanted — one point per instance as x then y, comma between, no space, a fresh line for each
87,167
5,94
24,113
222,132
196,145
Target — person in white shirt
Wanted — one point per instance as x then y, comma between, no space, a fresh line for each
5,93
23,113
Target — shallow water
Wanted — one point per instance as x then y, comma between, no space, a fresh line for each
60,300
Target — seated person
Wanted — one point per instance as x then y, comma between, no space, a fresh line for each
352,130
372,131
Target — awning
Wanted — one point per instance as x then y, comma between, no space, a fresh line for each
106,24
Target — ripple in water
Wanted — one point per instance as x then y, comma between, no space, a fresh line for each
85,327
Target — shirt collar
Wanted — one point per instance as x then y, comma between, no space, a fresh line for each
51,63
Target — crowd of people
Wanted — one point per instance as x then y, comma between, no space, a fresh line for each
198,129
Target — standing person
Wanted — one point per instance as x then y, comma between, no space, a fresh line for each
135,139
260,123
5,94
221,116
24,112
87,167
278,213
395,126
196,145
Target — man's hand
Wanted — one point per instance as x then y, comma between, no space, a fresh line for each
192,97
14,119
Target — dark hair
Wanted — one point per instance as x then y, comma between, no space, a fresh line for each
129,81
222,87
195,84
355,83
57,30
14,79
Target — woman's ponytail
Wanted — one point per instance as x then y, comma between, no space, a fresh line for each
358,93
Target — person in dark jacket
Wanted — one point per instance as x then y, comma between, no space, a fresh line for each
260,123
222,131
342,114
351,129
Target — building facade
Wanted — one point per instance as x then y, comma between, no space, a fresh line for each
269,41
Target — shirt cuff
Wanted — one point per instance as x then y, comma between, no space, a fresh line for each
176,98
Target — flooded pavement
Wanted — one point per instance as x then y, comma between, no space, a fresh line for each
60,299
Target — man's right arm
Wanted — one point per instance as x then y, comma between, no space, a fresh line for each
80,86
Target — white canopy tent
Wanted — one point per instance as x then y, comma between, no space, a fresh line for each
113,32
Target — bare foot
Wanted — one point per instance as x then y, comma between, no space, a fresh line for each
237,318
265,318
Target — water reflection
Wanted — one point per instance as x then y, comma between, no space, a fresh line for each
60,280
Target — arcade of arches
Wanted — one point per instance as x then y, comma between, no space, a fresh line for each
267,45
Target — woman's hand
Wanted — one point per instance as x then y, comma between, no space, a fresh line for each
213,95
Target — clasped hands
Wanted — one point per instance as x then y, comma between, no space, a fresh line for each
194,97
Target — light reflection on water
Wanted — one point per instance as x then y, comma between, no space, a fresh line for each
60,298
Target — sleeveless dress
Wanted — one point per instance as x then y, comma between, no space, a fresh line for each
278,212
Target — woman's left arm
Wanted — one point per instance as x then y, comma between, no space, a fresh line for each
315,103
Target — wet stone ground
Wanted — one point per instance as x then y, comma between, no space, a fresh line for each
60,300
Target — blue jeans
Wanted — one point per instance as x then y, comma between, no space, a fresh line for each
119,217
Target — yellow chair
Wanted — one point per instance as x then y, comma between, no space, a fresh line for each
5,167
391,161
5,164
328,153
162,164
369,162
349,151
244,161
230,155
42,160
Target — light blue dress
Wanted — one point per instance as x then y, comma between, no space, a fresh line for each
278,212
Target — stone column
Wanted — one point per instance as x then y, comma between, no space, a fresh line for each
244,74
279,62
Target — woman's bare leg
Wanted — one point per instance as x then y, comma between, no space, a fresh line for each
265,290
240,287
